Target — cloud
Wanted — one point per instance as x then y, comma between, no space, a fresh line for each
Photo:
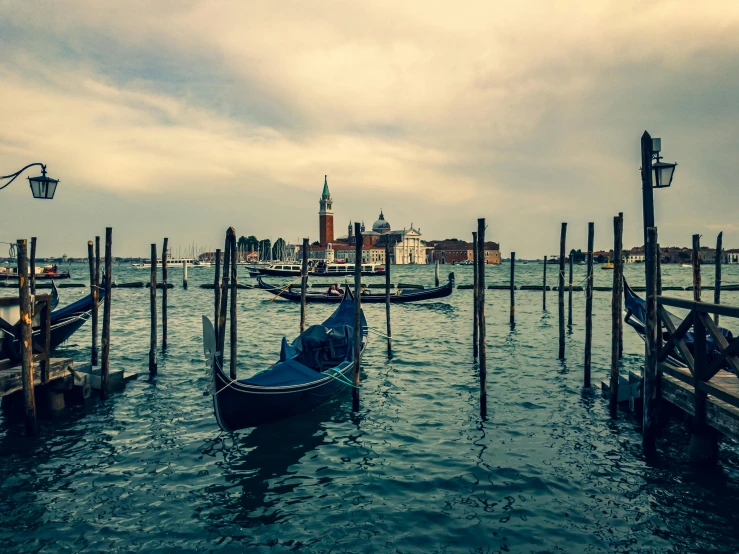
525,111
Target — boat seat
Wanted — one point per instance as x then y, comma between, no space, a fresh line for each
320,348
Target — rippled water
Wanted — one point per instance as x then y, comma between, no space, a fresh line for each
416,470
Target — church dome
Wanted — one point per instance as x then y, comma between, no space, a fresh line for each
381,226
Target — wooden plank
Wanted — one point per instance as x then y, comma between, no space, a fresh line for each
679,343
675,336
722,346
11,381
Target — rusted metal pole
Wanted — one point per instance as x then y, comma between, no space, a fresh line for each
217,289
649,423
234,318
304,283
387,297
588,308
717,282
33,265
513,289
222,316
482,349
561,291
153,312
165,282
26,338
105,367
616,309
357,314
544,287
93,295
475,304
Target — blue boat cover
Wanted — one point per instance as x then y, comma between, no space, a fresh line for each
636,316
291,369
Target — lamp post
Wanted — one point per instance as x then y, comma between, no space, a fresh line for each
663,173
42,187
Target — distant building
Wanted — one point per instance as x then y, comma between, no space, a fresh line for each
454,251
731,256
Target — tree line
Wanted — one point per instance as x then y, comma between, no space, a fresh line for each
264,248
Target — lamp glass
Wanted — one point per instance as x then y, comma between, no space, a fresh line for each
43,187
663,173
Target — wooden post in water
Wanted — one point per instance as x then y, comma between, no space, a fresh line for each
357,314
105,366
387,297
153,312
717,282
616,309
96,304
304,283
91,262
26,338
621,285
164,294
33,265
659,271
436,273
561,291
649,423
482,349
569,301
184,274
588,308
475,304
217,289
233,340
223,311
544,287
513,289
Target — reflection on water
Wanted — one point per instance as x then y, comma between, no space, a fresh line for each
416,470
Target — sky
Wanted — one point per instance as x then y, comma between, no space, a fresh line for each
182,118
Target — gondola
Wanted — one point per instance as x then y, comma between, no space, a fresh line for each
316,366
636,316
64,323
400,296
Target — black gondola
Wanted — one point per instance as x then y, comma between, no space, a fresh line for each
64,323
400,296
316,366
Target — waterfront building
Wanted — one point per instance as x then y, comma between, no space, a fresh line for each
731,256
454,251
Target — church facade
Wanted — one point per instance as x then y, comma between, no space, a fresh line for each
406,246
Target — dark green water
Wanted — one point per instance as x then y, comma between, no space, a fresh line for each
416,470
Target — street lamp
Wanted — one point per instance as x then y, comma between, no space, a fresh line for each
41,187
657,174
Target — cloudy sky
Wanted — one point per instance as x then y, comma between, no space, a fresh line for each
180,118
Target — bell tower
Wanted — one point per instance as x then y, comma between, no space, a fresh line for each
326,215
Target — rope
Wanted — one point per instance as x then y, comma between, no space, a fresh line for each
276,296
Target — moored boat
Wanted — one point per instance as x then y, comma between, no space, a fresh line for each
400,295
315,367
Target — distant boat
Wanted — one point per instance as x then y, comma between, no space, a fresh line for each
608,264
172,262
686,265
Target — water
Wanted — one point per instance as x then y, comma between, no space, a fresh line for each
416,470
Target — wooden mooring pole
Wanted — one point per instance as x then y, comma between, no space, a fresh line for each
94,295
651,347
153,312
105,366
233,340
357,314
387,298
26,338
33,265
569,299
482,349
217,289
223,310
304,283
476,306
513,289
561,291
717,282
616,309
164,293
436,273
588,308
544,287
184,274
